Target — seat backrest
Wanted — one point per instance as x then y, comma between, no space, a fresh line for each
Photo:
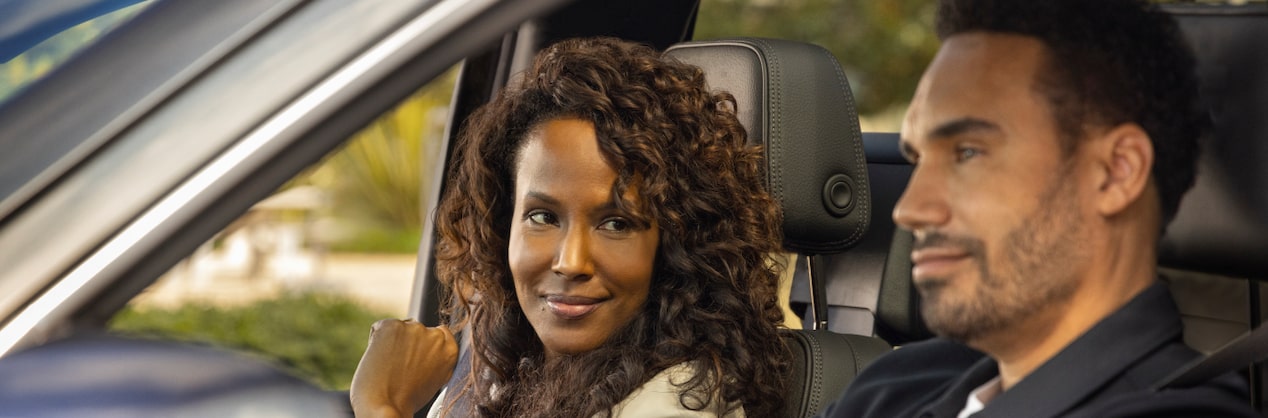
1221,230
1222,225
794,100
869,290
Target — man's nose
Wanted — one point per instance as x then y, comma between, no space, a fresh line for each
924,202
573,259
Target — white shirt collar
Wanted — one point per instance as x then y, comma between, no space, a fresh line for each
981,396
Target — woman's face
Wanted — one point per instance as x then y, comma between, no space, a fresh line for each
582,267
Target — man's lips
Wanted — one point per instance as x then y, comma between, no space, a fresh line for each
936,262
572,307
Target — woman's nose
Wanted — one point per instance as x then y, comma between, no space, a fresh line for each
573,259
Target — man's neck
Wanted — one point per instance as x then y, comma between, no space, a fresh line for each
1030,343
1124,272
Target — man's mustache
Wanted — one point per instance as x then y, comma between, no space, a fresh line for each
933,239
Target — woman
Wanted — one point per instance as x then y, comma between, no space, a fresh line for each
607,238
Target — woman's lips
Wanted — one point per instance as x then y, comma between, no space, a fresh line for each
572,307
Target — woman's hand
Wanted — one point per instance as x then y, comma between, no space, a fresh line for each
405,365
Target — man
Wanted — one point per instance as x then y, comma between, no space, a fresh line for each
1052,141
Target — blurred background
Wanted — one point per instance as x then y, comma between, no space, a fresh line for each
301,276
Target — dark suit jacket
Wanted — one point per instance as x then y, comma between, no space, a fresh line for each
1107,372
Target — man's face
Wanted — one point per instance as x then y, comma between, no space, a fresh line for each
997,218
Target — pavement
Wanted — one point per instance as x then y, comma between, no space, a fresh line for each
381,282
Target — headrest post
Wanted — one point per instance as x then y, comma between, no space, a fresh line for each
1253,293
1256,380
818,294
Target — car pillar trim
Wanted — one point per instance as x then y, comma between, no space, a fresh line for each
443,17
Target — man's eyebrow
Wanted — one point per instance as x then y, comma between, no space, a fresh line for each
906,149
962,126
948,130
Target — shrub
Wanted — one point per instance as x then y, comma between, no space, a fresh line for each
316,336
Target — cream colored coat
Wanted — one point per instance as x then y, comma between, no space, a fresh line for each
657,398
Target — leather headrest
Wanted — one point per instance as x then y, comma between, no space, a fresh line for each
794,100
1222,225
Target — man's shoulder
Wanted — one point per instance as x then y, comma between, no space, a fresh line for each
1222,397
1131,394
934,354
909,377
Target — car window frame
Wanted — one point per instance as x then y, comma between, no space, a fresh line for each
414,49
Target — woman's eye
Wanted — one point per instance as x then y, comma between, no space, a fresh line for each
541,218
615,225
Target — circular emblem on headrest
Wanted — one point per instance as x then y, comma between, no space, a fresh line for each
838,195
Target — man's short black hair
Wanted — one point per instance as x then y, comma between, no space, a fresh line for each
1108,62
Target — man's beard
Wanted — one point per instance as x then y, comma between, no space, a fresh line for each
1037,272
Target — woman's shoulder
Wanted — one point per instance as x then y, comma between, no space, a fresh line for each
661,396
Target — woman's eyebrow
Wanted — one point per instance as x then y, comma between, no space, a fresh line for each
541,196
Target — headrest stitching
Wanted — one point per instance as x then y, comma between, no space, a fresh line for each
775,120
859,160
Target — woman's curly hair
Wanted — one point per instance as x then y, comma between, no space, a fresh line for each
712,301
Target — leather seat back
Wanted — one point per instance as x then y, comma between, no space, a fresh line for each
794,100
1221,230
869,289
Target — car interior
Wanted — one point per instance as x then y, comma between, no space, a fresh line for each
853,275
858,273
836,185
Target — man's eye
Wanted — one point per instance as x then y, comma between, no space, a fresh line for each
966,153
541,218
615,225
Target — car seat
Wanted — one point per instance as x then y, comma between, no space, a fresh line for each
868,289
794,100
1221,230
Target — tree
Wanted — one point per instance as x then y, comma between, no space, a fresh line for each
376,181
883,46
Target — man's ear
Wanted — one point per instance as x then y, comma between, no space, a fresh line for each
1126,156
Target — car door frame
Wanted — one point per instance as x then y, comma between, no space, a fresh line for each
255,152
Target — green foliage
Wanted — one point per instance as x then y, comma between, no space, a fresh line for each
379,240
884,46
377,181
317,336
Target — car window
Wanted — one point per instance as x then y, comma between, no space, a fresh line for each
301,276
883,46
44,35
